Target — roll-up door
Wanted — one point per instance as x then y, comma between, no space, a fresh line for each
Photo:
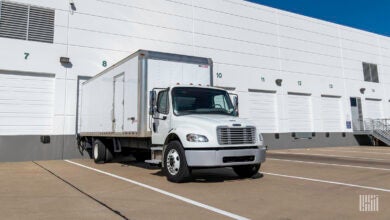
372,109
26,103
300,112
331,114
263,110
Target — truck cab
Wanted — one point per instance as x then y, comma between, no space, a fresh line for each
198,127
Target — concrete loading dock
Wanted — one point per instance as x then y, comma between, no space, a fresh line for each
321,183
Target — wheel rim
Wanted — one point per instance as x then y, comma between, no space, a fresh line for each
95,151
173,162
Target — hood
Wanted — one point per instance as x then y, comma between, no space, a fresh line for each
213,119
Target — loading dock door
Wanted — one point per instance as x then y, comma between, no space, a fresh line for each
300,112
262,110
372,109
26,103
331,114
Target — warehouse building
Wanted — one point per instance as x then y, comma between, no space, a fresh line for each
305,82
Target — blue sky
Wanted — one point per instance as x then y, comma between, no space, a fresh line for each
369,15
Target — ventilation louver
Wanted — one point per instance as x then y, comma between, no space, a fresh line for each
13,20
26,22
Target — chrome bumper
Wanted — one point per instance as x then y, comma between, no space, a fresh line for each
221,157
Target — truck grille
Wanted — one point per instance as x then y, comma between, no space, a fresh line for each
228,135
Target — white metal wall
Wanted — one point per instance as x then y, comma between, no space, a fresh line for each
251,45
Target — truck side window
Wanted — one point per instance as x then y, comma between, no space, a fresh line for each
219,101
162,102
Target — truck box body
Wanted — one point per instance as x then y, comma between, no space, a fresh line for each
115,103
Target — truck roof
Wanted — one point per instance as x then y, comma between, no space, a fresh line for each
198,86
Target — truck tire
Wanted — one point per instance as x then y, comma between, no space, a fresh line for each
246,171
175,163
99,151
109,154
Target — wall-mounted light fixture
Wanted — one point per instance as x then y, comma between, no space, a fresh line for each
72,5
279,82
64,60
362,90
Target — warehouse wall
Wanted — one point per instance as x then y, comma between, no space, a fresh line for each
252,46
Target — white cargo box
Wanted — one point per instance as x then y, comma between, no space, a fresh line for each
115,103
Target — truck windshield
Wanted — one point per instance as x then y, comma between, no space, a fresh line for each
188,100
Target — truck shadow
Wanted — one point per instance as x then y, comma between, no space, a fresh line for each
215,175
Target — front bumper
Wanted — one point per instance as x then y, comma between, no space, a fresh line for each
220,157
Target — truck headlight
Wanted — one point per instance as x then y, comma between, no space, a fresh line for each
197,138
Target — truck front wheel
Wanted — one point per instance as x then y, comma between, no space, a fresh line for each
175,164
99,151
246,171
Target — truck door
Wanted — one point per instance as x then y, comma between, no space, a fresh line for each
161,121
118,103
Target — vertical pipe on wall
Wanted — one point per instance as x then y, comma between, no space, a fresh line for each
346,102
66,81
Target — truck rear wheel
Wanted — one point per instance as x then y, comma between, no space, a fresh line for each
99,151
247,171
175,163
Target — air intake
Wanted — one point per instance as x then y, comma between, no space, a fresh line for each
41,25
233,135
25,22
13,20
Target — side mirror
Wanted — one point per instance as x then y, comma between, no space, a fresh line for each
152,102
235,103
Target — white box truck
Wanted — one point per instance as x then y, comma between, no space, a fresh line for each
163,109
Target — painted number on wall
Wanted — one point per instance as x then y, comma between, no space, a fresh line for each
104,63
219,75
26,55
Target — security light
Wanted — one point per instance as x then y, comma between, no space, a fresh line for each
64,60
279,82
72,5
